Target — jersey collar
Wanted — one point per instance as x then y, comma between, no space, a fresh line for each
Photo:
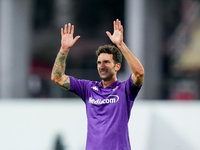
110,86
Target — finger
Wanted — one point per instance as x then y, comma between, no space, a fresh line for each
117,24
76,38
61,31
65,30
69,28
108,33
122,29
72,30
114,25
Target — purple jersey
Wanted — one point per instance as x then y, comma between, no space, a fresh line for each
108,111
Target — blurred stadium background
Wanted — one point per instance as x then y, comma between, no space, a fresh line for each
164,34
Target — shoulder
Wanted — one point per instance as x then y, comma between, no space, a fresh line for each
131,89
86,82
129,83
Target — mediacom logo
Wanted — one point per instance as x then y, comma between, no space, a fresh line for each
111,99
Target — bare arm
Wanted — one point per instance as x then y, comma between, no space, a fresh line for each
58,70
135,65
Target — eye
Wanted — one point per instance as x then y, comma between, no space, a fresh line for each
106,61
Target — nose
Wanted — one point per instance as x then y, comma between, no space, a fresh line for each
102,66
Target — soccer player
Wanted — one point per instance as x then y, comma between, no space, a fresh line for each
109,102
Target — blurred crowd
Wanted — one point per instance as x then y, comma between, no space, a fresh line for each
180,46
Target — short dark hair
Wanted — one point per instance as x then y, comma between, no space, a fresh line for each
111,49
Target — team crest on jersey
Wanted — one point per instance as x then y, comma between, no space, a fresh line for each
94,88
115,88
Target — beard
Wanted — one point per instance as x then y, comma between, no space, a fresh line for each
107,77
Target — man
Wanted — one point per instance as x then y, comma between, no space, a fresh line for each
109,102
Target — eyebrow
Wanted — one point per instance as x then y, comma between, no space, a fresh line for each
104,60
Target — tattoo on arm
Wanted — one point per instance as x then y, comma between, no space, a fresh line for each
136,81
59,65
66,83
132,79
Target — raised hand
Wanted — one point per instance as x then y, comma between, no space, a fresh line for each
117,37
67,40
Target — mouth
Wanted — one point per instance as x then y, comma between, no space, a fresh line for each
103,72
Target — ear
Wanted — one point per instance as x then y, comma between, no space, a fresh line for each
117,67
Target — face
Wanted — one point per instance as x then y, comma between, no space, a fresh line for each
106,66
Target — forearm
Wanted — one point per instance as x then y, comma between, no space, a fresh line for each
59,65
133,62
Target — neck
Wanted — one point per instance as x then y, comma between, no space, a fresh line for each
109,82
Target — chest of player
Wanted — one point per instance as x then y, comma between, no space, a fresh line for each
104,97
105,105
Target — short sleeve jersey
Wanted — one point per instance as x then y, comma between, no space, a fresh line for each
108,111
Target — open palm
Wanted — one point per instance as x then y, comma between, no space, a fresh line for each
117,36
67,40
